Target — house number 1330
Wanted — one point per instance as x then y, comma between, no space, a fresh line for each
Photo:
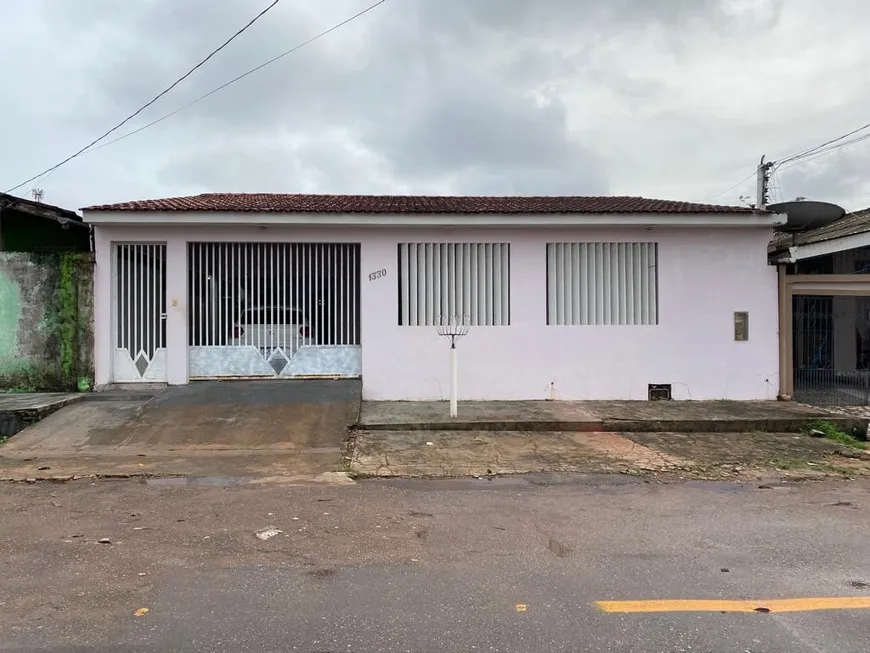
377,274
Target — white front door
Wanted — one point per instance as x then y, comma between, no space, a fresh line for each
139,313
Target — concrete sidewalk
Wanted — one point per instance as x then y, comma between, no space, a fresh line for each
597,416
692,439
20,410
741,456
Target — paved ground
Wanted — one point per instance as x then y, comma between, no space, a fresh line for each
37,401
728,416
502,565
256,428
19,410
691,455
851,411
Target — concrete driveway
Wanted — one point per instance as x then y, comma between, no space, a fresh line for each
235,428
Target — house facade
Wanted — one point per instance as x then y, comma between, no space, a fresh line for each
46,285
825,311
563,297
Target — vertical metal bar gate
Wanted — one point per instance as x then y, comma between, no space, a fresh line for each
139,305
831,349
273,309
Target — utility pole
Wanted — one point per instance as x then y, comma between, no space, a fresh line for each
763,184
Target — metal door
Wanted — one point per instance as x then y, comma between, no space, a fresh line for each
139,313
831,349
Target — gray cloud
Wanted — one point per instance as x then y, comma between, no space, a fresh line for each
837,177
491,137
673,98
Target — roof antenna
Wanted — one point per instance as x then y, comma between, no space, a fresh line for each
38,194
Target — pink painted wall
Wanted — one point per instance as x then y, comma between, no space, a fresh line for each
704,276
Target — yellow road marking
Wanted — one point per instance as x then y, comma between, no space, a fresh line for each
772,605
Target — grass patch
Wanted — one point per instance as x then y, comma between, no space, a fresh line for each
833,432
811,465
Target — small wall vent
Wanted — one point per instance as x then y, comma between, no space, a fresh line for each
659,392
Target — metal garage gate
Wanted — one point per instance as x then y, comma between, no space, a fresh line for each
274,310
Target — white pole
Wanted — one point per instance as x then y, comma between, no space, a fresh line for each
453,381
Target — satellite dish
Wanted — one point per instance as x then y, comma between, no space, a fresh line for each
804,215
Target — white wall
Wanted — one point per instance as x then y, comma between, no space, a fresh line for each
176,239
704,276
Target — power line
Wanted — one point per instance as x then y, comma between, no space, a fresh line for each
152,101
737,185
805,153
822,152
777,186
240,77
804,156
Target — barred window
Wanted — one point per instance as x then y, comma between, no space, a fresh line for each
467,283
602,283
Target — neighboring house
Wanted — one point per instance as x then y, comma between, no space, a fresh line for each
46,283
825,311
565,297
30,226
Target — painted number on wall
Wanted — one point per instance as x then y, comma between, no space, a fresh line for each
377,274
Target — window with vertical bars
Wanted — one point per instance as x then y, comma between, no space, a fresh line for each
602,284
445,283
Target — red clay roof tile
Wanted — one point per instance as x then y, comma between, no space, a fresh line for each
291,203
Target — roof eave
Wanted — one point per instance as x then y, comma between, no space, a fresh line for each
38,209
675,219
62,217
793,253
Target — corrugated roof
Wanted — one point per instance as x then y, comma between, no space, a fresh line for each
292,203
850,224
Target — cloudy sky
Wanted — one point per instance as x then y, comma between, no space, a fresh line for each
663,98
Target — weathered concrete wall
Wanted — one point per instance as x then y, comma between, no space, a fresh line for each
46,320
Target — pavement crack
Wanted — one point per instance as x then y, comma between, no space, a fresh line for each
496,455
533,441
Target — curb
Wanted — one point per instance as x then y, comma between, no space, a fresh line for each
779,425
119,395
16,420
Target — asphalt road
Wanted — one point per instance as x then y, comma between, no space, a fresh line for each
473,565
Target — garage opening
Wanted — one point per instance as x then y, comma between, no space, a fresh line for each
274,310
